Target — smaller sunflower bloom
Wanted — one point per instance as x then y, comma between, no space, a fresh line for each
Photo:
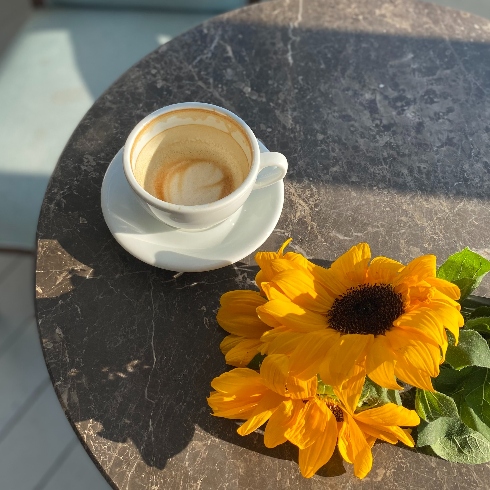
357,432
237,315
316,424
271,395
387,318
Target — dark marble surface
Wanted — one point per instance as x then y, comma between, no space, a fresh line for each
382,108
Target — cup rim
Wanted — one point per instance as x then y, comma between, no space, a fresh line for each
244,187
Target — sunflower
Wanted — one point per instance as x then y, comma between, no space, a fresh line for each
248,395
316,424
357,431
382,317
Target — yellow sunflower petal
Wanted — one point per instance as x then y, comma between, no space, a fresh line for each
242,353
351,267
450,317
292,316
416,295
380,366
272,291
299,260
329,279
415,377
229,408
281,420
316,417
445,287
237,393
302,390
422,321
370,440
281,265
264,261
260,279
240,381
382,270
244,325
238,316
265,408
389,414
303,290
417,270
280,252
444,347
319,453
268,319
242,299
348,350
403,436
311,351
390,434
436,295
229,342
354,447
385,434
350,390
275,428
274,372
280,340
421,355
379,433
408,433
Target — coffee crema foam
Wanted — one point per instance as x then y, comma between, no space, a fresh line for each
191,164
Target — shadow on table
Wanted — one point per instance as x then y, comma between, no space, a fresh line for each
143,369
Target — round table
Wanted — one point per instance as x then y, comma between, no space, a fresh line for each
382,108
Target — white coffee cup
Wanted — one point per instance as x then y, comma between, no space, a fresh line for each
228,163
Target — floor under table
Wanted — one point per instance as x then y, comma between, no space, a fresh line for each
38,448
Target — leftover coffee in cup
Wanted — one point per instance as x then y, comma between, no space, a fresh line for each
193,165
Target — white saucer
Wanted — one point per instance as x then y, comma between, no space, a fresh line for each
158,244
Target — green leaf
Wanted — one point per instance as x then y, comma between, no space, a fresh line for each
475,393
256,362
450,381
481,311
470,390
324,389
374,395
472,350
479,324
475,306
463,445
466,269
431,406
471,419
473,302
468,387
452,440
429,433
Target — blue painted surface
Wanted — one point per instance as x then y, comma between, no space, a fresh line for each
59,63
180,5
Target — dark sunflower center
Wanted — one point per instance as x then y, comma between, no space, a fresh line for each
366,309
337,411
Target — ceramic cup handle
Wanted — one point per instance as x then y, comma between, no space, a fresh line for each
273,167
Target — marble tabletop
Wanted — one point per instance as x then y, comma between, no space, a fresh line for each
382,108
